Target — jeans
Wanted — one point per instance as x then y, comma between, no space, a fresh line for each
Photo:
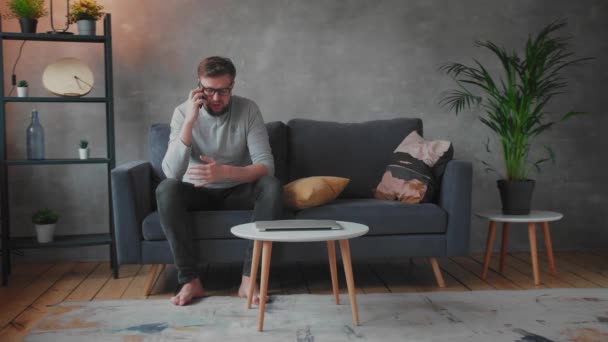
176,199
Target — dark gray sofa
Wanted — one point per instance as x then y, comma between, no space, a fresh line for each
302,148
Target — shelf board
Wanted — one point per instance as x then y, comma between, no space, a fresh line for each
52,37
61,241
56,99
57,161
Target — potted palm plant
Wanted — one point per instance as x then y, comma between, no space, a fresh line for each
44,220
28,12
513,104
85,13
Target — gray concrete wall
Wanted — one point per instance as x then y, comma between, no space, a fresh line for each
347,61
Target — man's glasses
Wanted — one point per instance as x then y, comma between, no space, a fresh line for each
211,91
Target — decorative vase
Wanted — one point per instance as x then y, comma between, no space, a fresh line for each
45,232
86,27
35,138
22,91
83,153
516,196
28,25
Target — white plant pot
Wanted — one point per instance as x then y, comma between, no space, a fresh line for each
83,153
45,232
22,91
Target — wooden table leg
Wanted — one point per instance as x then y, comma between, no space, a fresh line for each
549,248
533,251
255,262
350,281
331,252
489,244
266,254
503,246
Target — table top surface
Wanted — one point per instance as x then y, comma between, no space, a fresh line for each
351,230
534,216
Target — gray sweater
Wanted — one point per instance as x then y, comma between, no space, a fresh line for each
237,138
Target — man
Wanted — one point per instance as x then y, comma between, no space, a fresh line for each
218,157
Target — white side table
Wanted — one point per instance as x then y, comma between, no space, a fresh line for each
535,216
263,241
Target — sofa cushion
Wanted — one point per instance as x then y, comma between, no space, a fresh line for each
158,140
409,176
208,224
357,151
382,217
313,191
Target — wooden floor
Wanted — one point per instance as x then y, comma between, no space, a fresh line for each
34,287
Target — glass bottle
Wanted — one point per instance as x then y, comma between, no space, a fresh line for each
35,138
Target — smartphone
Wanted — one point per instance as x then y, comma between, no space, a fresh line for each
200,86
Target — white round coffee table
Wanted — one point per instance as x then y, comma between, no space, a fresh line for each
263,243
535,216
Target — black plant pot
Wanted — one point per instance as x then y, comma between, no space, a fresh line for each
516,196
28,25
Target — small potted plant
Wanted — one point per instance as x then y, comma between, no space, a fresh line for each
44,220
85,13
22,88
83,151
28,12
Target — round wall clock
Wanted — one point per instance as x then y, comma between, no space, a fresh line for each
68,77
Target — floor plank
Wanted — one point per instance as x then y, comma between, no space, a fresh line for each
589,261
23,275
546,278
367,280
471,280
114,288
135,290
543,266
398,278
18,328
496,280
16,304
87,290
426,281
521,279
584,272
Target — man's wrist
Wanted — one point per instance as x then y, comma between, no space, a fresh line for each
227,171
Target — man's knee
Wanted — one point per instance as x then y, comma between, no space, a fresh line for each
269,185
168,190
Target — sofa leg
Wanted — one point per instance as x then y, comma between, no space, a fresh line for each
437,272
152,278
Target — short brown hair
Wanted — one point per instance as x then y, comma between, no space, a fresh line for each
216,66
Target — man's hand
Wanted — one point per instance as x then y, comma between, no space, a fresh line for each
208,173
196,99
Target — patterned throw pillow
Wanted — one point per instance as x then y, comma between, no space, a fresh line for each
412,175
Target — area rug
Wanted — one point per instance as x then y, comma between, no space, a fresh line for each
527,316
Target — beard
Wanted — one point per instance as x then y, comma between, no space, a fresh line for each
214,113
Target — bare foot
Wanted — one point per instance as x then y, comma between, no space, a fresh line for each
190,290
244,290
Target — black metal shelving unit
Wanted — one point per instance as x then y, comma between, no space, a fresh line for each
61,241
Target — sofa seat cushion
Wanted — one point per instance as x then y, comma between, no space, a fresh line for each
381,216
208,224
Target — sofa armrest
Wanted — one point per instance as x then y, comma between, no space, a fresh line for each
455,199
131,202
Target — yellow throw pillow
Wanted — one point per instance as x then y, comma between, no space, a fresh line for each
313,191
